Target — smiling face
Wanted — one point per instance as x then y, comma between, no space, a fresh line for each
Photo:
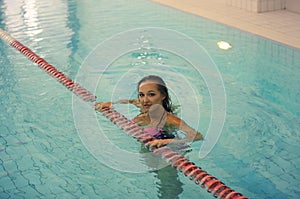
149,95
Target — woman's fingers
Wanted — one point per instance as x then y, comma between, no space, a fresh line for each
102,105
97,105
157,143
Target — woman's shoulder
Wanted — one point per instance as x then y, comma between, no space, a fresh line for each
173,120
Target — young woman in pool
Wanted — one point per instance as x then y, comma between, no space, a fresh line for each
156,112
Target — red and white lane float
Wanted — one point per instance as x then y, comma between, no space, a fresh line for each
195,173
51,70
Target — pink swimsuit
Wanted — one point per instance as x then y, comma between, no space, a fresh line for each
157,133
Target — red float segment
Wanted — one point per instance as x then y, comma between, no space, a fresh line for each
217,189
181,166
51,70
211,184
206,179
187,170
199,176
225,192
161,150
178,161
194,173
232,195
240,197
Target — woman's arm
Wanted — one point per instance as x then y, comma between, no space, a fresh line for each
128,101
102,105
190,133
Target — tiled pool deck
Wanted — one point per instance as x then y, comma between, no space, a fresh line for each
282,26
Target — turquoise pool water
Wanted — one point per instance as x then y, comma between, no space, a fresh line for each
42,154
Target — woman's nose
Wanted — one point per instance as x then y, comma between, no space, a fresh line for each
146,99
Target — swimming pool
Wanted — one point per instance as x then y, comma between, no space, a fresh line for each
42,154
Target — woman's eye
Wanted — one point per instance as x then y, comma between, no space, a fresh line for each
151,94
141,95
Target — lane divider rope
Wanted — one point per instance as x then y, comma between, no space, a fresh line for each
51,70
213,185
195,173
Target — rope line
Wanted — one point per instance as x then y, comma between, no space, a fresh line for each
196,174
51,70
200,177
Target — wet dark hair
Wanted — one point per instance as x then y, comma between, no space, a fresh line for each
161,86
